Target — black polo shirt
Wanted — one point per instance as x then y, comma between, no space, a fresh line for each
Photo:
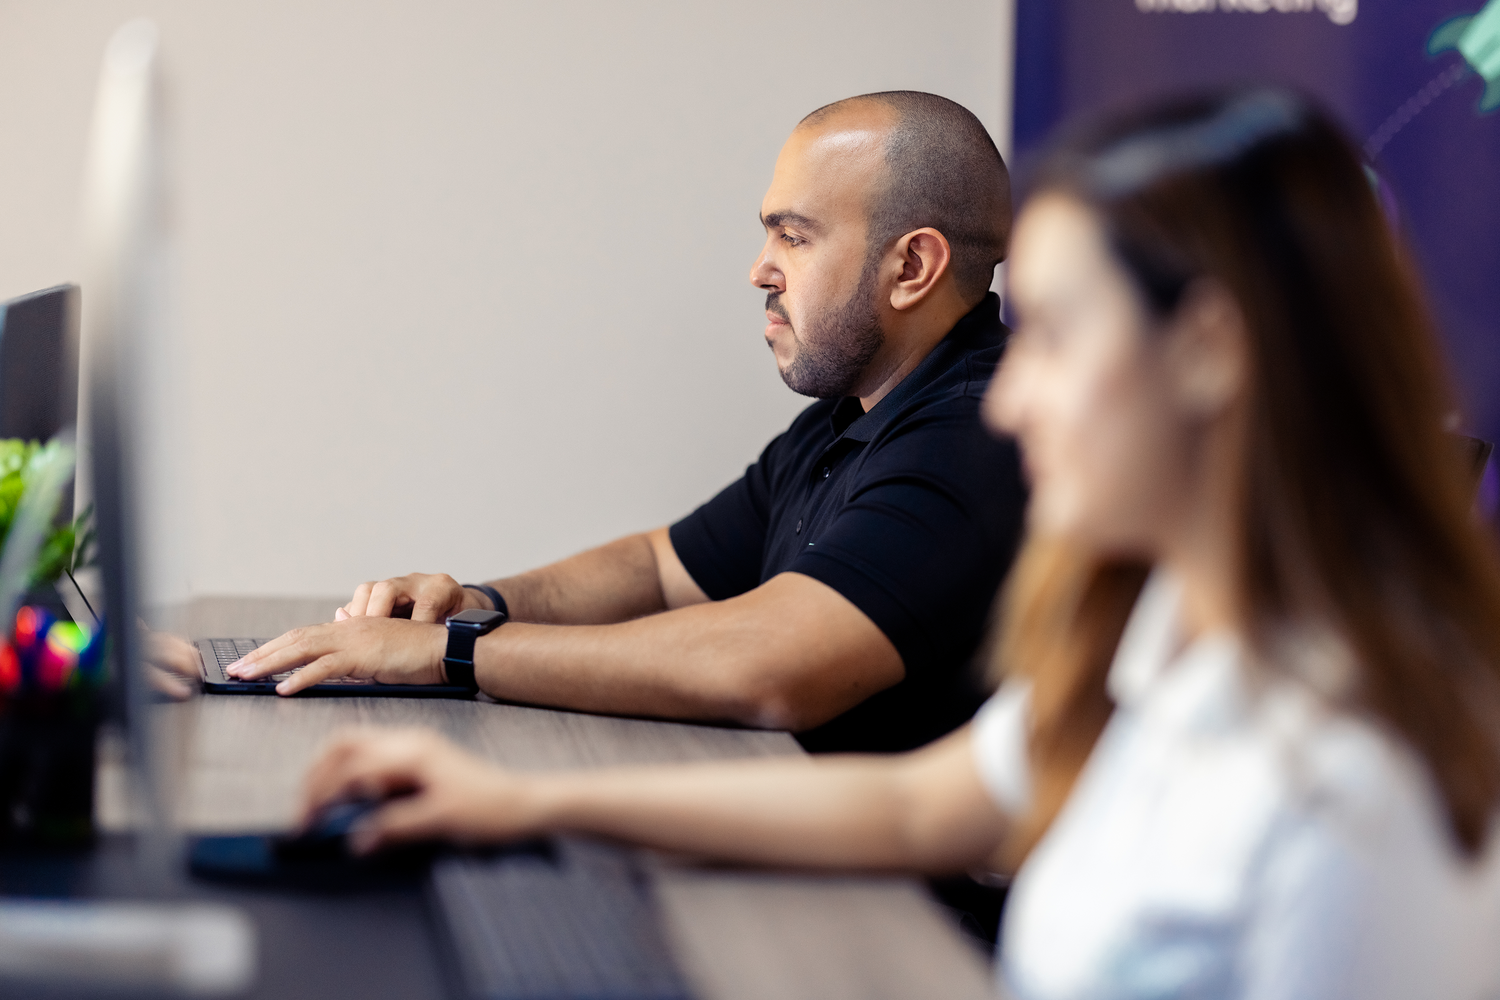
911,511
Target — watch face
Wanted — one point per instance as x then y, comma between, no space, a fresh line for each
476,616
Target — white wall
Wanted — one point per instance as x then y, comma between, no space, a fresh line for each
463,284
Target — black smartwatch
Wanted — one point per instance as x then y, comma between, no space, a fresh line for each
464,629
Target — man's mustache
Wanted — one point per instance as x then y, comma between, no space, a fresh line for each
774,306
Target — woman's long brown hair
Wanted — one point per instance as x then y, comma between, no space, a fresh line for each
1354,516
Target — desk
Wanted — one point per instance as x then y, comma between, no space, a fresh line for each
737,934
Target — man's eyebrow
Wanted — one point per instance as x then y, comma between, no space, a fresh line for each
783,219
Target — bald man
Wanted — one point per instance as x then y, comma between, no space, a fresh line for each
840,588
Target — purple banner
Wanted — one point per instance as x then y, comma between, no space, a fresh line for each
1416,83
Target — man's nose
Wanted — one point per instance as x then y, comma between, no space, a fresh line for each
765,274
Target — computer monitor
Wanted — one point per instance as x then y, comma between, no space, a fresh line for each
38,370
124,239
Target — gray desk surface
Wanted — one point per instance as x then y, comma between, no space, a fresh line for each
238,762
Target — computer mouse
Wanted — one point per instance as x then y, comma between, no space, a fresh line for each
326,836
317,858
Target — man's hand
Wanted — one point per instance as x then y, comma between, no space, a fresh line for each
424,597
383,649
173,662
450,794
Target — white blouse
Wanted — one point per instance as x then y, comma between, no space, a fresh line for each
1224,842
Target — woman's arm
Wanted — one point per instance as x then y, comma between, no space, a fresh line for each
924,811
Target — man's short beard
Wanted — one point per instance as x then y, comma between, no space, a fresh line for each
839,345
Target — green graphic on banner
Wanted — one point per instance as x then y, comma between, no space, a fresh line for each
1476,37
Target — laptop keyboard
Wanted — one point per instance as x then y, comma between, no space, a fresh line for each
226,651
562,918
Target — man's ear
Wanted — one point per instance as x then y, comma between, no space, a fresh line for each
925,257
1209,352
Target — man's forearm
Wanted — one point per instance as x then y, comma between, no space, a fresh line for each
791,654
613,583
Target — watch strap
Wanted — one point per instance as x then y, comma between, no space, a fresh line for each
492,594
458,659
458,656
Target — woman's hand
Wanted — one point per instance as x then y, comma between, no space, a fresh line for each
383,649
924,811
445,793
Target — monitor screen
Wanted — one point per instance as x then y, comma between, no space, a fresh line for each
123,240
38,369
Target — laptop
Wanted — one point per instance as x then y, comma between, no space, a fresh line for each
216,654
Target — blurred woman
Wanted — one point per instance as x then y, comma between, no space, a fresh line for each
1245,739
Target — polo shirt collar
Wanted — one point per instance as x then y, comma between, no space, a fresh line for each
852,423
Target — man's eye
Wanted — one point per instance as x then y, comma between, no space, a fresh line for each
791,240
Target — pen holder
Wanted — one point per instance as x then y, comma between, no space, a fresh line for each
51,672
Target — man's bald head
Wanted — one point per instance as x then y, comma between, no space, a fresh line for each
942,171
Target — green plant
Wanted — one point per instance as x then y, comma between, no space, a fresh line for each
68,546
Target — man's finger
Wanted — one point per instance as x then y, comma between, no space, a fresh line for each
170,684
287,652
433,600
320,669
361,598
247,663
383,598
172,654
340,614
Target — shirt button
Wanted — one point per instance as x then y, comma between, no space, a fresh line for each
799,525
826,471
